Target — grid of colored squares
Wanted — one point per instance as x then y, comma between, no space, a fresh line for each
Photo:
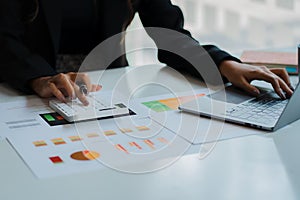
169,104
60,141
56,141
126,130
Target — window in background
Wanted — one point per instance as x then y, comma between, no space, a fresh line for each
286,4
261,1
234,25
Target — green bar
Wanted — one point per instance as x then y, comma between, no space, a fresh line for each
49,118
156,106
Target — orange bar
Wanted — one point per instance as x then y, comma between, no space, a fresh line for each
142,128
109,133
120,147
40,143
163,140
58,141
138,146
75,138
92,135
150,144
125,130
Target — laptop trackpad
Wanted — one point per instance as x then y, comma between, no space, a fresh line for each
234,95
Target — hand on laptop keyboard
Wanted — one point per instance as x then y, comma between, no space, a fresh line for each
241,75
264,109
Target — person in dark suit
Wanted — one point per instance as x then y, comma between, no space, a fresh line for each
34,32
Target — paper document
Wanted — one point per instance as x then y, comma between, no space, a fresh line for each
193,128
52,146
128,144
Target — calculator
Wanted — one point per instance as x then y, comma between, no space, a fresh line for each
74,110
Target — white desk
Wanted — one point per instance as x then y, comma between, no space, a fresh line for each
252,167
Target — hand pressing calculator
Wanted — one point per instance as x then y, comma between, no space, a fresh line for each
74,110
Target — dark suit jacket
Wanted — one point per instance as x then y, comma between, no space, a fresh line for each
29,51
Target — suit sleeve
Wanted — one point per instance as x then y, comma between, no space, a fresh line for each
162,14
18,64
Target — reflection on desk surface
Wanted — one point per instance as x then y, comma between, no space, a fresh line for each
288,146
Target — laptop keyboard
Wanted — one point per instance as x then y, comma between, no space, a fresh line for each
265,109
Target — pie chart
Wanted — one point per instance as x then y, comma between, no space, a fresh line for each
85,155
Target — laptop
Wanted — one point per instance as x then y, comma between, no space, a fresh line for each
267,111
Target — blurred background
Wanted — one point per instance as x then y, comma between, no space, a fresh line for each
230,24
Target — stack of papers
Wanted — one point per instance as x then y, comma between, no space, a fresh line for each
155,137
